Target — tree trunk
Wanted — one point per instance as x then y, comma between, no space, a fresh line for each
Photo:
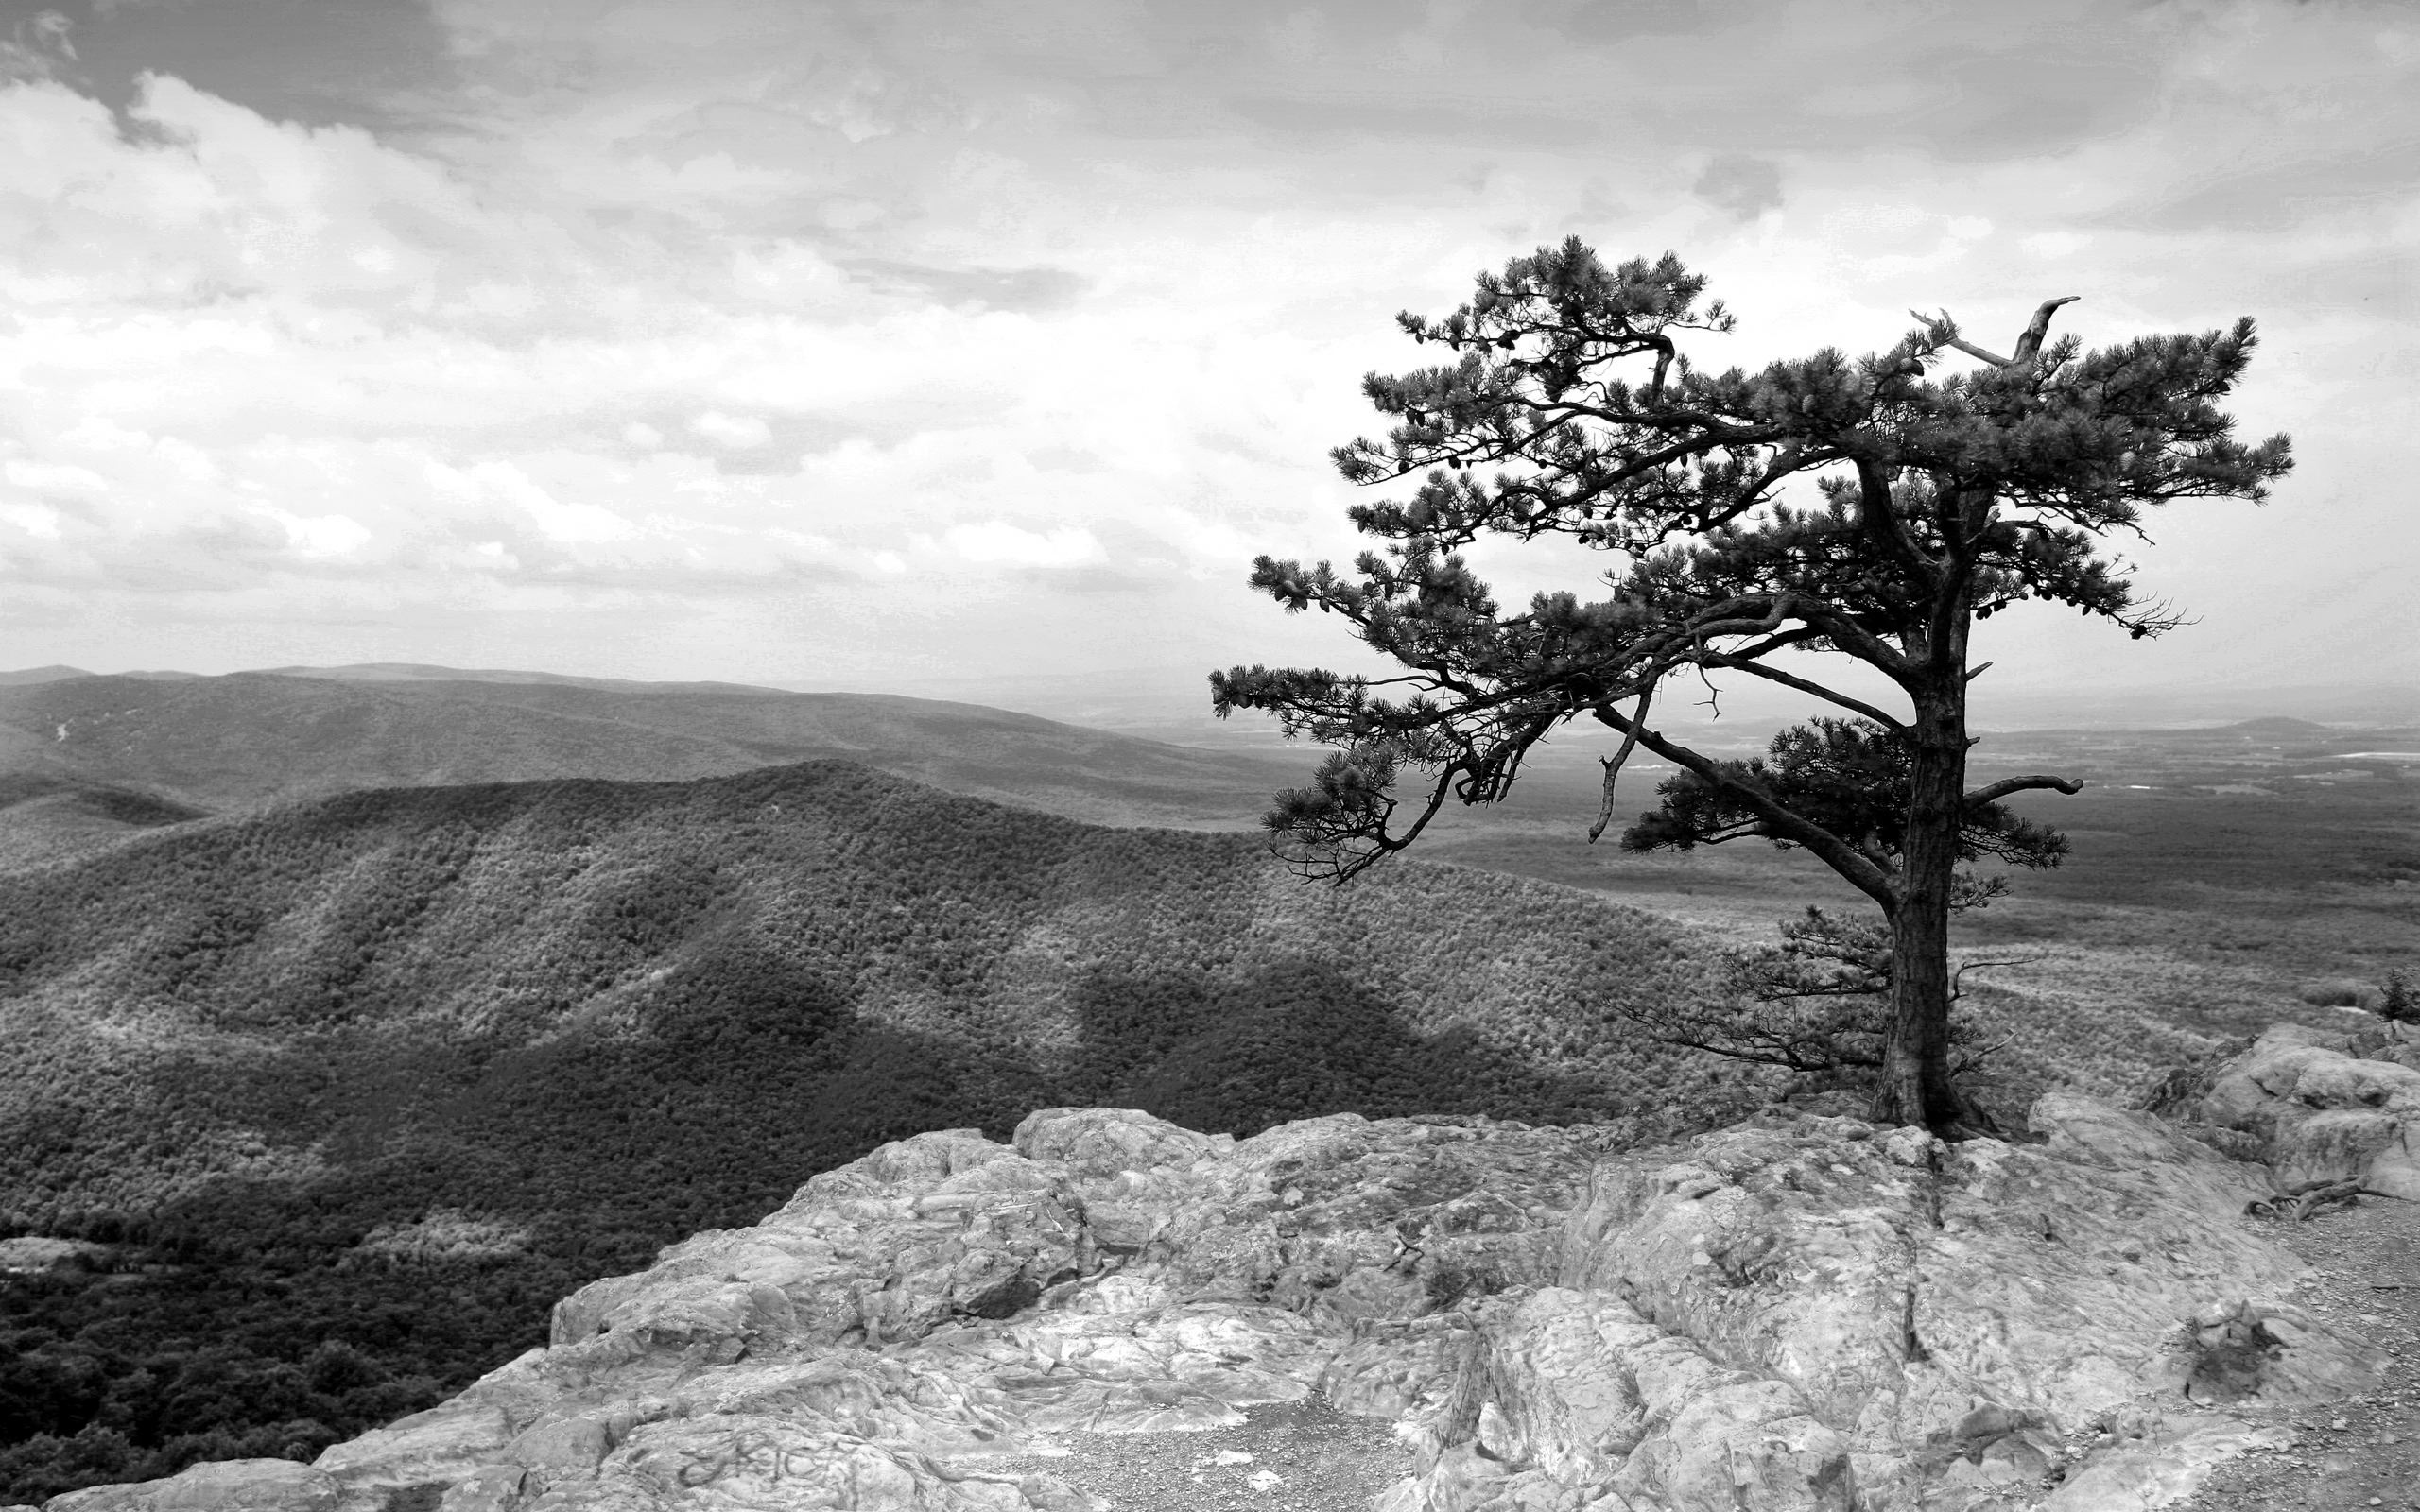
1917,1088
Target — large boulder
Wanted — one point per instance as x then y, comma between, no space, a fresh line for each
1804,1313
2328,1107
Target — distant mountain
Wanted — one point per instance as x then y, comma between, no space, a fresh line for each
375,1076
424,672
2200,705
32,674
56,674
2276,725
250,738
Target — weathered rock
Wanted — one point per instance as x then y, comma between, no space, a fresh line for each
435,1448
1872,1318
1803,1314
228,1486
489,1488
2328,1106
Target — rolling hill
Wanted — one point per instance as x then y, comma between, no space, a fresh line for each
386,1071
252,738
45,816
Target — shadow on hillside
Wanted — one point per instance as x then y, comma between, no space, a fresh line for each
1293,1039
744,1074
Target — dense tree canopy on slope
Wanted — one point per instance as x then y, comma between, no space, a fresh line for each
1870,508
585,1019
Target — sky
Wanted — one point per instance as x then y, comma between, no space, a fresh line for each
911,345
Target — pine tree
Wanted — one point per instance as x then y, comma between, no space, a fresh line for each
1866,509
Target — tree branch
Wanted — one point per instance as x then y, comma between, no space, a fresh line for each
1613,767
2030,344
1944,330
1995,792
1973,350
1786,679
1880,523
1852,865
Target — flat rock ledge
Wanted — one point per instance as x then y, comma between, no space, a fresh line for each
1802,1312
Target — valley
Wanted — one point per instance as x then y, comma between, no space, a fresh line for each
2216,877
390,1070
349,1028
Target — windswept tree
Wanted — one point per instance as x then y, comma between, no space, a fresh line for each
1867,508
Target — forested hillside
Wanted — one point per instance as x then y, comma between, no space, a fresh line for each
352,1088
250,738
49,817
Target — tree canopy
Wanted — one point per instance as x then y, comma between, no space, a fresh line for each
1870,508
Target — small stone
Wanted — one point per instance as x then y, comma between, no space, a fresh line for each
2340,1424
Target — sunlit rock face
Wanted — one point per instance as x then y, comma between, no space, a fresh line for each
1809,1313
1823,1315
2328,1107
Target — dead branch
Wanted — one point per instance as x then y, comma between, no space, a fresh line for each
2030,344
1995,792
1614,765
2318,1196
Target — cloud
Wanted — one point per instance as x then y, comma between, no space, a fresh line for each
1016,289
731,430
52,477
1742,186
683,334
2277,195
37,48
996,541
375,63
321,536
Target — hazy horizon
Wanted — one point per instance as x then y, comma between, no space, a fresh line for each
1158,704
898,345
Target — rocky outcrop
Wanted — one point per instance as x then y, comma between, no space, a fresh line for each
2327,1107
228,1486
1821,1315
1795,1313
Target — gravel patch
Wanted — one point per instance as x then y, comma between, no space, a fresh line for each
2363,1451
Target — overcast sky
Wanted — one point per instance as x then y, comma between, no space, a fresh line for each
833,343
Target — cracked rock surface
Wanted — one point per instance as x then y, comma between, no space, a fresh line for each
1450,1314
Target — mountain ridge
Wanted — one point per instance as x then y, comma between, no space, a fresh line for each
349,1088
250,738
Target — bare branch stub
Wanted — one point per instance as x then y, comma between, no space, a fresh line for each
2030,344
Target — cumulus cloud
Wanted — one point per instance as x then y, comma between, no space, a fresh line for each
1742,186
749,323
731,430
996,541
322,536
